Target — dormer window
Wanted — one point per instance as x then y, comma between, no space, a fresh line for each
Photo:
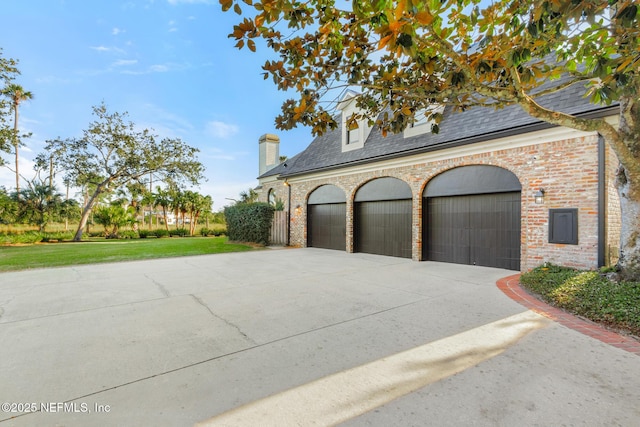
354,130
422,123
353,135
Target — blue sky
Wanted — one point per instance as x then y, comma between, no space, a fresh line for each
168,63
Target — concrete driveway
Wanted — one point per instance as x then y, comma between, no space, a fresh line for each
296,337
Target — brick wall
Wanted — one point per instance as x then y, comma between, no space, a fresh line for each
612,202
566,169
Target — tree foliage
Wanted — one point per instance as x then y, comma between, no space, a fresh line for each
8,72
409,55
16,95
40,204
9,208
114,216
112,153
248,196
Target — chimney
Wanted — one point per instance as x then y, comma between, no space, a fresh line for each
269,152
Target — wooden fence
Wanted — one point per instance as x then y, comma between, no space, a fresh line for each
279,229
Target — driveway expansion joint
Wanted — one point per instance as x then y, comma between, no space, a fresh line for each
510,285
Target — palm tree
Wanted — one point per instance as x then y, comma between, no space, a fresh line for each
16,94
149,199
177,203
41,204
163,199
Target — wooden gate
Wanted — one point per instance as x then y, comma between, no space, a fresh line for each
279,229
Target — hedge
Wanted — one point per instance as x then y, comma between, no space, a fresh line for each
249,222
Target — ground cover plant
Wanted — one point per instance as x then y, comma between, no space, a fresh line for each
103,250
588,293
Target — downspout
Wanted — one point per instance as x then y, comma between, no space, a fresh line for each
288,212
602,202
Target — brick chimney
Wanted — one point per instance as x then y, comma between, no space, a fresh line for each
269,152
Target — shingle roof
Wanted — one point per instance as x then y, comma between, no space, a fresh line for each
473,125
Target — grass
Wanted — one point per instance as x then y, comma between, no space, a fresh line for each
101,250
588,294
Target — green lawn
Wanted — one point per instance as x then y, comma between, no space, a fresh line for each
96,251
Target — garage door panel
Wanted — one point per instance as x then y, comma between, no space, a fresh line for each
327,226
476,229
384,227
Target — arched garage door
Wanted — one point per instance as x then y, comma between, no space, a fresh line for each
327,218
473,217
383,218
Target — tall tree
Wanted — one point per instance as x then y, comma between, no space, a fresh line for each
16,95
406,56
40,204
248,196
112,153
162,198
9,208
196,204
8,72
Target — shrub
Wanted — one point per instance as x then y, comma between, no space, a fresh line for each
144,233
59,235
220,232
249,222
24,238
589,294
127,234
181,232
205,232
161,232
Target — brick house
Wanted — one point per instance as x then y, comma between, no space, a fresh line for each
494,188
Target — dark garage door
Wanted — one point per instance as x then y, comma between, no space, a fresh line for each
384,228
475,229
382,218
327,218
327,226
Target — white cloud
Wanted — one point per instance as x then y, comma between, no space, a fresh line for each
163,122
159,68
124,62
220,129
117,31
52,79
107,49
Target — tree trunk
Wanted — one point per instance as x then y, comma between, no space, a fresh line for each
629,192
87,211
166,220
15,145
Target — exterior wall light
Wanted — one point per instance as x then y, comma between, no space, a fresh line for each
285,183
298,210
539,196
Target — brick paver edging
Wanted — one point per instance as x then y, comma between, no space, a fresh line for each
511,287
